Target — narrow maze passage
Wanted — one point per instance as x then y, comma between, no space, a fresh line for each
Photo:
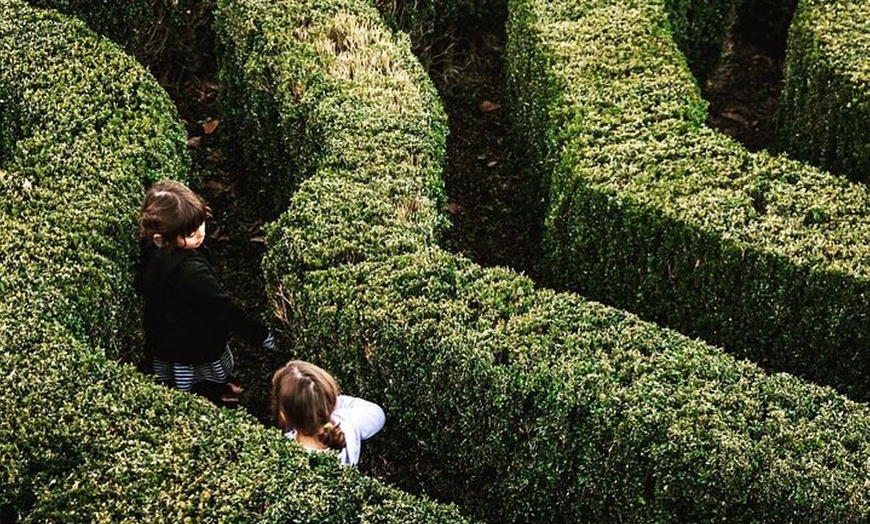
492,208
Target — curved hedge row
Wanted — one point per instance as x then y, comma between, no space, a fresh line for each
278,90
162,34
526,405
518,404
83,439
824,110
654,213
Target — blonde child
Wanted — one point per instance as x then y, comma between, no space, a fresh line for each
309,408
188,315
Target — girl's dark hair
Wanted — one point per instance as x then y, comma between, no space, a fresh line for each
171,209
303,398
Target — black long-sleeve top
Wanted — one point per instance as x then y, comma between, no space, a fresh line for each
188,315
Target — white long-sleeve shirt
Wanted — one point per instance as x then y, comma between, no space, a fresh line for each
359,420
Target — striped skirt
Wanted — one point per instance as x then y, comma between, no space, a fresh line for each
184,376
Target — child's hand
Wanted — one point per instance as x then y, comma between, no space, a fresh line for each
270,343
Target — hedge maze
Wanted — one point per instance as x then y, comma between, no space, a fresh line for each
506,400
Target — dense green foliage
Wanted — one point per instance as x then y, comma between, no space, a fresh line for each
654,213
83,439
698,27
163,34
278,93
824,113
525,405
518,404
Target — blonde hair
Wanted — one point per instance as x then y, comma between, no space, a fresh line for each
303,398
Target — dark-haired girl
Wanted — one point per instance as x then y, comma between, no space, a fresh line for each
188,315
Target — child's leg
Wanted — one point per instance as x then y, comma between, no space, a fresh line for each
213,391
223,395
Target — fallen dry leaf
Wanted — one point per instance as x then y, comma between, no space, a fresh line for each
454,209
216,185
209,127
735,117
487,106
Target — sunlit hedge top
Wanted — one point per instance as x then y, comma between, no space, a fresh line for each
341,96
83,439
824,113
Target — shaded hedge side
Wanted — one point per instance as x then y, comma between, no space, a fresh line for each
652,212
699,27
824,112
766,23
83,439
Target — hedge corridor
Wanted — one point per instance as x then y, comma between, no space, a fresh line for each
515,402
85,128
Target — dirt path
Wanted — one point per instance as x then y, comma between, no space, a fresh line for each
490,204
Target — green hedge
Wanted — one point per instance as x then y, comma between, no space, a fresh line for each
526,405
165,35
278,90
521,404
699,28
652,212
824,111
90,441
83,439
80,139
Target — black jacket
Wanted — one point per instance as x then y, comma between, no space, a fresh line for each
188,315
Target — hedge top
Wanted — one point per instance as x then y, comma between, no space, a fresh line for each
631,124
843,35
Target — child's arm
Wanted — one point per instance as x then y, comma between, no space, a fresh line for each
204,290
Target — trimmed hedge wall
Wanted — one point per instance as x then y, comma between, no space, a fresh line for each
81,136
652,212
824,112
526,405
278,98
163,34
699,28
518,404
83,439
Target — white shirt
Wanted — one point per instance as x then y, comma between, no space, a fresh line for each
359,420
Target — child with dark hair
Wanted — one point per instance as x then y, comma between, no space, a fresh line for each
309,408
188,315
